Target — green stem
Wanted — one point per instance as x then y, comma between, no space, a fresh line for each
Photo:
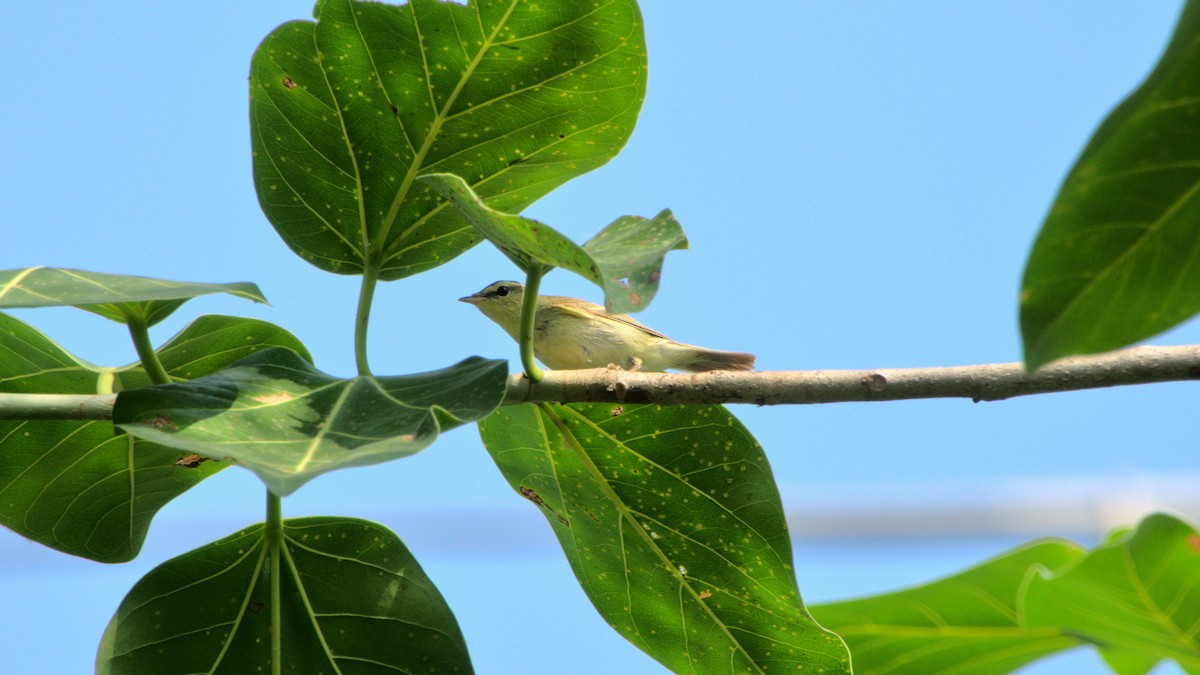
533,279
274,535
140,332
365,296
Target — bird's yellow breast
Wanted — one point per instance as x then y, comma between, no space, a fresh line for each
572,338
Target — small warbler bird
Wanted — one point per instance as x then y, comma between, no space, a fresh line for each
571,334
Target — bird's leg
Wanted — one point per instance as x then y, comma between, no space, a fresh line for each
635,364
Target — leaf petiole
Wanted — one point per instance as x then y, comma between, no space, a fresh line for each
366,295
533,280
274,537
139,331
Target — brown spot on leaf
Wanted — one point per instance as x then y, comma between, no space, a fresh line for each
190,461
161,421
1193,542
256,607
532,495
655,276
705,594
616,412
289,82
635,298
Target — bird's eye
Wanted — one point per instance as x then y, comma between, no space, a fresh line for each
502,291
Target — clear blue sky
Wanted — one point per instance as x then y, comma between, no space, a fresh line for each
860,182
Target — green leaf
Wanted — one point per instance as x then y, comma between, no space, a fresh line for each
671,520
354,600
1128,663
1118,257
77,487
276,415
965,623
1139,593
630,253
517,96
114,296
625,258
531,245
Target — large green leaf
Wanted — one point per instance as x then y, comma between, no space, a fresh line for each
77,487
114,296
1139,593
1118,258
625,258
966,623
353,600
518,96
276,415
671,520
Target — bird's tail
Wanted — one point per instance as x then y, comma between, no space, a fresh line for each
698,359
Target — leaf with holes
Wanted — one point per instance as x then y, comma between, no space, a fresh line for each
965,623
1138,593
630,253
352,596
114,296
671,520
1118,257
625,258
516,96
77,487
276,415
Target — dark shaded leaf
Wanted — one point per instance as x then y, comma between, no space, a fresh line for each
354,600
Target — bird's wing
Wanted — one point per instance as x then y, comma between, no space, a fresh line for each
580,309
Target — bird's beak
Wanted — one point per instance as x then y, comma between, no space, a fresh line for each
472,299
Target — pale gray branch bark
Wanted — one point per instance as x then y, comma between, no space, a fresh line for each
1140,365
57,406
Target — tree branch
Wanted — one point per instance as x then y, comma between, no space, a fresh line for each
994,382
1140,365
57,406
